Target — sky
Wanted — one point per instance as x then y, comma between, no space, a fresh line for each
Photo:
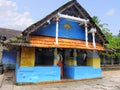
19,14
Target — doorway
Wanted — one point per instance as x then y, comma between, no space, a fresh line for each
44,57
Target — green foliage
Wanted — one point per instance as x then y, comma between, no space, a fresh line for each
103,26
114,41
110,55
96,20
13,41
19,37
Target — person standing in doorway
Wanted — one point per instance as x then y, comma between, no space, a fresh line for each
60,59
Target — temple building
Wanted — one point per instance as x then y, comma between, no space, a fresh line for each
64,44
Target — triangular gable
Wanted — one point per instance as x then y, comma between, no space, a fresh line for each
72,8
67,29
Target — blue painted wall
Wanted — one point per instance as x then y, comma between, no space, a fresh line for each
37,74
9,57
75,32
82,72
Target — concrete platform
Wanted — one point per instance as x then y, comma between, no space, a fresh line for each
110,81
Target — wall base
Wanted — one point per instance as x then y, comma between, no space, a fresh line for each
37,74
82,72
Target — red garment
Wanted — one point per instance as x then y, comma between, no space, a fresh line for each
61,67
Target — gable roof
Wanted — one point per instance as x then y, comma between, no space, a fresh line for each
9,33
72,8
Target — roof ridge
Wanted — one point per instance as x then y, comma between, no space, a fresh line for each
54,12
2,28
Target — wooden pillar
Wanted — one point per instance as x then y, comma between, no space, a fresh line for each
119,60
104,62
112,62
55,56
18,57
75,57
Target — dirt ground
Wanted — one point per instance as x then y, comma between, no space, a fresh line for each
110,81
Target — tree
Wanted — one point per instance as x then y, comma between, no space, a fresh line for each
103,27
114,41
98,23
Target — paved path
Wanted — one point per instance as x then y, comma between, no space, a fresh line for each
1,80
7,81
110,81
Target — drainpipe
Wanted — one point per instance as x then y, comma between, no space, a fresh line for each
57,26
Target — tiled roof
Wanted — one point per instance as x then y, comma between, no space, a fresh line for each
9,33
49,42
41,41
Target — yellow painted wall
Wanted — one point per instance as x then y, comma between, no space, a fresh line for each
70,61
27,56
95,62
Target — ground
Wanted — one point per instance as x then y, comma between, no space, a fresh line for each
110,81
